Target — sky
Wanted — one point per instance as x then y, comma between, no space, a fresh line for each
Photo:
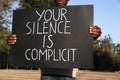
106,16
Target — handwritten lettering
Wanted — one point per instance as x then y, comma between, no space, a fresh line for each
50,22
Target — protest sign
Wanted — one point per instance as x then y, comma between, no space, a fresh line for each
56,37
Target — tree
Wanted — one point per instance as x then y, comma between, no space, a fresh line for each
117,51
107,54
4,48
104,54
36,3
5,12
117,57
4,4
4,31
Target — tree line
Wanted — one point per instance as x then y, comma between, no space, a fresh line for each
106,52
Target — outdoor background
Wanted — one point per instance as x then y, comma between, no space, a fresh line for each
106,47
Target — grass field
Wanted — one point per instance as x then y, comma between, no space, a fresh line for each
35,75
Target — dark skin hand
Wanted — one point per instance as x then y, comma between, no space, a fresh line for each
11,39
95,31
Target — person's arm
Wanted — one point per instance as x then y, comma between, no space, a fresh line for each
11,39
95,31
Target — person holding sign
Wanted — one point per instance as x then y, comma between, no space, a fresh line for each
58,73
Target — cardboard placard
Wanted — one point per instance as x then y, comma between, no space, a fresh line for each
56,37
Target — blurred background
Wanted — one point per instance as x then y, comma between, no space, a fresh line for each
106,15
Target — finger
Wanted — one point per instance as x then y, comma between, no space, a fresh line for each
94,26
96,33
11,43
12,37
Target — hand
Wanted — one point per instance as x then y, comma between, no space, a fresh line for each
95,31
11,40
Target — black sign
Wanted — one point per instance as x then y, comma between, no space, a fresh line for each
56,37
